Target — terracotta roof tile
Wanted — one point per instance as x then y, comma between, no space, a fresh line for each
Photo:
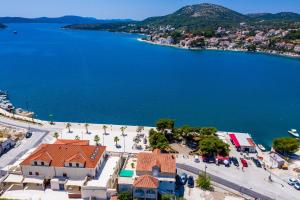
145,181
60,153
146,161
72,142
78,157
114,198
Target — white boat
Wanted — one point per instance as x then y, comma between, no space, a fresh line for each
294,133
261,147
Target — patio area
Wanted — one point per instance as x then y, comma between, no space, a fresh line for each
131,141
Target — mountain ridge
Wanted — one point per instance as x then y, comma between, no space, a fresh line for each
201,17
67,19
198,15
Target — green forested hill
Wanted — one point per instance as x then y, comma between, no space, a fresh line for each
203,16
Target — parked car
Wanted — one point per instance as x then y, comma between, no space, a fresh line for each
244,162
196,159
235,161
256,162
183,178
210,159
28,134
297,186
191,182
292,181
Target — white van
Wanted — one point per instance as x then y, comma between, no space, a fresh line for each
196,159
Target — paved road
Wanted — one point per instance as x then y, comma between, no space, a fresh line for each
38,135
224,182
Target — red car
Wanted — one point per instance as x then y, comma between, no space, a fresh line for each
244,162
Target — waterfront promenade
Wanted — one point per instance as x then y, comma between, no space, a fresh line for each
251,181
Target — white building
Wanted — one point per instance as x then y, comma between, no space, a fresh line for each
152,173
243,142
83,170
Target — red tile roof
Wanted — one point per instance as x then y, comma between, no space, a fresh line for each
114,198
146,161
251,142
73,142
58,154
145,181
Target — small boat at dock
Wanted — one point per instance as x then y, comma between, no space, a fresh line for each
294,133
261,147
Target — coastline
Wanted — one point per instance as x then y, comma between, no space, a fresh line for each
287,55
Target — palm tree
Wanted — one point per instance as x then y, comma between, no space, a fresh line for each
68,126
104,133
104,128
56,135
97,139
77,137
86,128
123,130
116,140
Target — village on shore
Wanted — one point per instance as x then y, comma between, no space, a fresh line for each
244,38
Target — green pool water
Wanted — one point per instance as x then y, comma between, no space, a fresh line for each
126,173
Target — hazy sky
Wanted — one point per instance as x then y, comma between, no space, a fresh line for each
134,9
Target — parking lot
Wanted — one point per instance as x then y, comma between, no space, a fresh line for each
21,148
192,193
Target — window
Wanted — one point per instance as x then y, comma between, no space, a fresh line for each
70,164
35,163
30,173
36,173
139,191
42,163
150,192
64,174
77,164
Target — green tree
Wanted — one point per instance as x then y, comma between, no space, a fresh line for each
96,139
177,36
203,181
158,140
286,145
116,140
104,128
77,137
166,197
56,135
68,126
208,131
123,130
124,196
164,124
211,146
251,47
86,126
199,43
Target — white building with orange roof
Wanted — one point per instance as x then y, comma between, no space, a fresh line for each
83,170
153,174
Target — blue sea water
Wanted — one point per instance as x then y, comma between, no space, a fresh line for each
102,77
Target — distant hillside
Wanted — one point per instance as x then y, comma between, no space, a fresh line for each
199,16
287,16
62,20
202,16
